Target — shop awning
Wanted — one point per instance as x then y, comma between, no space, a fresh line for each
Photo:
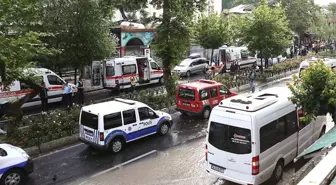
326,142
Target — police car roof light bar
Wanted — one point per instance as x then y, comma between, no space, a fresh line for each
124,101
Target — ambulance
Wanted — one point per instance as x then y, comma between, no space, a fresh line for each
327,61
230,54
118,72
53,82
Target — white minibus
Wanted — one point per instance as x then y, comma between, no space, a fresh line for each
250,138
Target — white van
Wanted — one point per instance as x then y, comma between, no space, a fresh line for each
111,124
53,82
327,61
118,72
239,54
251,138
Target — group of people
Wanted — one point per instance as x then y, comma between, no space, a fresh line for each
67,94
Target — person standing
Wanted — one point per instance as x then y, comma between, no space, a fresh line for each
44,97
251,77
80,93
67,94
133,82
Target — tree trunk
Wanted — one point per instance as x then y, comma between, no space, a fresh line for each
75,79
166,16
261,64
2,71
212,51
123,14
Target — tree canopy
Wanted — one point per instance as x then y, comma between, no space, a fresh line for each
315,91
212,31
267,32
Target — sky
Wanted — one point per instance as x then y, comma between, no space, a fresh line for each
324,2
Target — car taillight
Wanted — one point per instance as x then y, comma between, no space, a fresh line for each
196,105
101,134
255,165
206,152
117,81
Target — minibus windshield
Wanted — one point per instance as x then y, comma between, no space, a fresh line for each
89,120
229,138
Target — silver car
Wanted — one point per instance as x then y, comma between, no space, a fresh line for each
191,66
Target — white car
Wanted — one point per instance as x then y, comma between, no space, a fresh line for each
191,66
111,124
15,165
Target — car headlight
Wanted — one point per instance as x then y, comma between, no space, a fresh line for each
25,155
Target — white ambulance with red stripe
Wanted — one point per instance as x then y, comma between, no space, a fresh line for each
118,72
230,54
18,89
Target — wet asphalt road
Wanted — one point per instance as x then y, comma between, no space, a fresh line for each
79,161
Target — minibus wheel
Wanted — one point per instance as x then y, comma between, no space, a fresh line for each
161,81
278,171
188,73
116,145
206,112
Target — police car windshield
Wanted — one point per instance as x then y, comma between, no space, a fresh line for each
89,120
231,139
187,94
185,63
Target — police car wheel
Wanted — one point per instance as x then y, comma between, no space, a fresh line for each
116,145
13,177
164,128
206,113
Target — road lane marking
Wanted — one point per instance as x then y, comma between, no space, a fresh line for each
123,164
57,151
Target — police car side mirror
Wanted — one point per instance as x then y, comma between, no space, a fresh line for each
152,115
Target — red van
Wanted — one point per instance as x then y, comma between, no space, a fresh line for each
199,97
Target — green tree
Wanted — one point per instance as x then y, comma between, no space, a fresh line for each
302,15
211,32
172,36
80,31
315,91
238,2
19,46
267,32
125,7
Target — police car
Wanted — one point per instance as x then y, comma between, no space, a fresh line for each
111,124
15,165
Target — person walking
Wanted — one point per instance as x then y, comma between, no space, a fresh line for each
67,94
80,93
251,77
44,97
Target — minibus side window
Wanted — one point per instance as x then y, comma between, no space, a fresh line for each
109,70
292,124
54,80
271,134
112,121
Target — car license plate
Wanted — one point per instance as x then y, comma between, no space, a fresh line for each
186,104
217,168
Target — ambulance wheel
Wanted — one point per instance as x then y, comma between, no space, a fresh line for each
278,171
163,129
206,113
14,177
188,73
116,145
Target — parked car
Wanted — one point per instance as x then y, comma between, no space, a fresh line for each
191,66
15,165
200,97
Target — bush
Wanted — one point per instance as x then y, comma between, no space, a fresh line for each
46,127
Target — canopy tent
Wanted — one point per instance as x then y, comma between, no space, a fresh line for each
320,146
